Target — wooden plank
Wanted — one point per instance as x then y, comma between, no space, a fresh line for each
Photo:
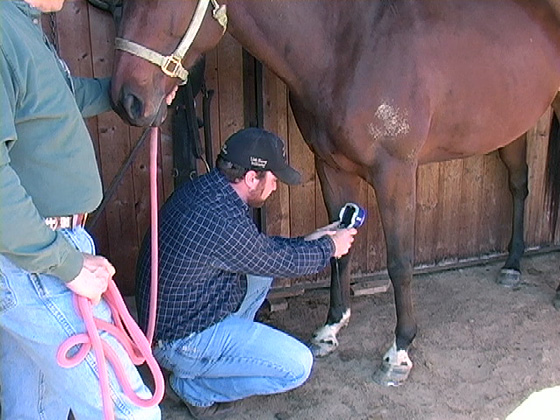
488,241
230,86
450,197
302,197
120,211
504,207
427,213
365,288
76,50
278,304
275,111
140,172
469,234
211,76
537,231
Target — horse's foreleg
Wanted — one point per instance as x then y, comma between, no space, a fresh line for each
338,188
324,340
395,187
514,155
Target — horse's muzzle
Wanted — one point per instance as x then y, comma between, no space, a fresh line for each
131,109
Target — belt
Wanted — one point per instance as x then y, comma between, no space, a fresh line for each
66,222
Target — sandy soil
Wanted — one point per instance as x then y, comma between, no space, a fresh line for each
480,351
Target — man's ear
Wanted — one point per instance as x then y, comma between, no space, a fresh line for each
251,180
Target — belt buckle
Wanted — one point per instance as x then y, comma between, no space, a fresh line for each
51,222
78,220
66,222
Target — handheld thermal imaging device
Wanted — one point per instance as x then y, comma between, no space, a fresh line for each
351,216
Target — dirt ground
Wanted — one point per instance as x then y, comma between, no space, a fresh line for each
480,351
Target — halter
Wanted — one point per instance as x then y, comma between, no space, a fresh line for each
171,64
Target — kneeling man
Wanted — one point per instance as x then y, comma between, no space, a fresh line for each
215,270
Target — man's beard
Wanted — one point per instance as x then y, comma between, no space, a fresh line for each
256,199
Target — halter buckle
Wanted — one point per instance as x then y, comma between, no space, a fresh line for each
220,14
172,67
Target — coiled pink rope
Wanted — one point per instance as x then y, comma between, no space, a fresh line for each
125,329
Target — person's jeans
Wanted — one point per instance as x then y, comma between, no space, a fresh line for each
237,357
36,315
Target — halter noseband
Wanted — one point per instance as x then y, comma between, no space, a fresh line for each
171,64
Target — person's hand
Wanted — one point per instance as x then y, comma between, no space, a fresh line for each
343,239
325,230
169,98
91,282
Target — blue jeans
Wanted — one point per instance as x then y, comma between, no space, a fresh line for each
237,357
36,315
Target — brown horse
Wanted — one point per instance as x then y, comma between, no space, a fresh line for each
377,87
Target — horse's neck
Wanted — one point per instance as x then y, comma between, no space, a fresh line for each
293,38
267,30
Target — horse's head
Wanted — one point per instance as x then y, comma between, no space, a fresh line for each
156,41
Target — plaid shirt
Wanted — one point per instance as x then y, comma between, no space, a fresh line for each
208,243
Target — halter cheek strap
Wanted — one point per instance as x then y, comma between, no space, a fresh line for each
171,64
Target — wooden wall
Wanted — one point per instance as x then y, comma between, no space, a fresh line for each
464,206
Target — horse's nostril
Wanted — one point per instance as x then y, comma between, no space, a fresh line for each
132,105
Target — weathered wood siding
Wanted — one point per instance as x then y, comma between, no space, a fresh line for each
464,206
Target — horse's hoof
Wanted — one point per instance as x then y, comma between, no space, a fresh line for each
509,278
395,367
391,375
556,302
323,348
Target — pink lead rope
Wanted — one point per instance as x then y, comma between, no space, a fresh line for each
125,329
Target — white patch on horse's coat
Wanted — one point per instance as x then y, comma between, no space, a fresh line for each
397,358
325,337
393,122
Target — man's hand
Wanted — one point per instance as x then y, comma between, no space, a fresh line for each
93,279
325,230
169,98
343,239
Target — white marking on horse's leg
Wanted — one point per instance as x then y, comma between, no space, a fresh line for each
394,369
396,357
324,339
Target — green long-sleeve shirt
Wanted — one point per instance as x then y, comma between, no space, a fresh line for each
47,161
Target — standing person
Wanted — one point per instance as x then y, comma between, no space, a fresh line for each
215,270
49,181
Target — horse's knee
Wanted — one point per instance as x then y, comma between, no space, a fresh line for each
400,271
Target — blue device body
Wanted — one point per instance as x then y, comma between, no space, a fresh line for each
351,216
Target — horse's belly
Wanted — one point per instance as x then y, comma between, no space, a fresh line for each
462,140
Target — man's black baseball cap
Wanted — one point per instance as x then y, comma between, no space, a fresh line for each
260,150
